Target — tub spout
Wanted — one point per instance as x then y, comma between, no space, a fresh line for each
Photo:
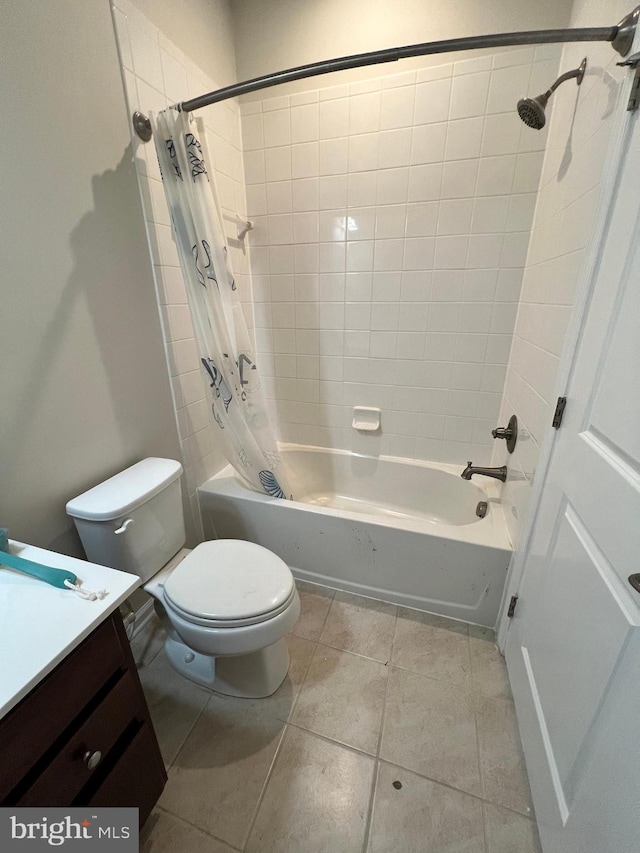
497,473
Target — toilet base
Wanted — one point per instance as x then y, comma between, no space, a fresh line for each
251,676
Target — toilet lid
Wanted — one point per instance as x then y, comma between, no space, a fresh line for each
229,579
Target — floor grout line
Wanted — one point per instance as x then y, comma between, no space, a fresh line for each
181,819
264,786
372,796
335,742
481,799
374,785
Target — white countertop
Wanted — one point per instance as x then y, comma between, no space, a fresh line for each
40,624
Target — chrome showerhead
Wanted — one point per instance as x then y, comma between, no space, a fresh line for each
531,110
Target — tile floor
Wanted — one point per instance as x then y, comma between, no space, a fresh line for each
394,731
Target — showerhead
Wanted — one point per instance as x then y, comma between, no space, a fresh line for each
531,110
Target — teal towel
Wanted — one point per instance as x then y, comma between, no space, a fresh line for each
55,577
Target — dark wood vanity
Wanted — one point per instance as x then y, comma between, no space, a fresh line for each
84,736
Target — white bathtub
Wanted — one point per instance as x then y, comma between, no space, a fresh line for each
393,529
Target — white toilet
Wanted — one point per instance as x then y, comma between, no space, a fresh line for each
226,605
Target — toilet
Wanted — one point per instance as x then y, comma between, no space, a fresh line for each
226,605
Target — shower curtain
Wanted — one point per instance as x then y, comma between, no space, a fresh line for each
222,337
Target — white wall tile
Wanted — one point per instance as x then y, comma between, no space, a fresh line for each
396,109
464,138
425,182
490,214
395,148
432,101
364,114
454,216
404,229
305,123
361,224
305,160
278,163
469,95
393,186
277,128
334,156
334,118
428,143
363,152
332,192
495,175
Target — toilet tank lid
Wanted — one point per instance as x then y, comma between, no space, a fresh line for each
122,493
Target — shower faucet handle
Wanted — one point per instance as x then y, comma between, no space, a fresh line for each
509,433
501,432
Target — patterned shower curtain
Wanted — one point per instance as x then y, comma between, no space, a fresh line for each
222,337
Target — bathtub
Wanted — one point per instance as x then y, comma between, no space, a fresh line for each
393,529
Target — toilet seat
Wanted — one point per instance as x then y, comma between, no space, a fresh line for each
218,623
228,583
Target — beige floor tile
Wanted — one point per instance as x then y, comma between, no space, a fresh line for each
164,833
508,832
342,698
429,727
316,800
488,669
431,645
422,816
502,764
218,776
361,625
148,642
175,704
314,606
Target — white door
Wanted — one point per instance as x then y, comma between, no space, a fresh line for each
573,648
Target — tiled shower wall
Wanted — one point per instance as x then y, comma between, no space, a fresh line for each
575,160
158,74
392,219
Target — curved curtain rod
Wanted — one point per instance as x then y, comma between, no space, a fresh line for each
620,36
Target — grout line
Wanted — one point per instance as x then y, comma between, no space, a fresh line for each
267,779
435,781
374,784
302,682
181,819
335,742
484,828
188,734
372,795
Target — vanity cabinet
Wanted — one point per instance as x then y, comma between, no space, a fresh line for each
84,736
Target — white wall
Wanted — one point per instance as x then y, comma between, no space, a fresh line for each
574,161
392,223
83,386
158,73
202,29
278,34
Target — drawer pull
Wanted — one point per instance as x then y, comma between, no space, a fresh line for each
92,759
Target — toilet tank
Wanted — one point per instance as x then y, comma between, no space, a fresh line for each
134,520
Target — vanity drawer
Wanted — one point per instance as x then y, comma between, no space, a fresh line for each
66,775
35,724
138,777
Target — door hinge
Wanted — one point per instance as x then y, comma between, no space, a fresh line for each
559,412
512,606
633,62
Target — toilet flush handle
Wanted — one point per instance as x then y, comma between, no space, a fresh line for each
124,526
